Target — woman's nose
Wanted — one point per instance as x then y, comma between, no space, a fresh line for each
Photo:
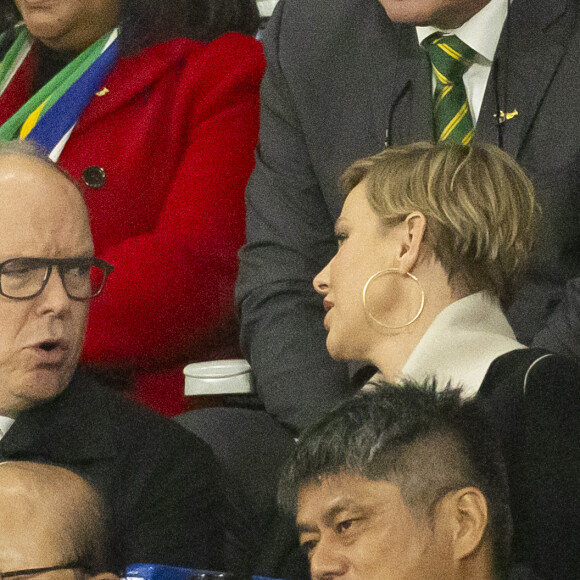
320,281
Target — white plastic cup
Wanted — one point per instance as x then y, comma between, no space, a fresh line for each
219,377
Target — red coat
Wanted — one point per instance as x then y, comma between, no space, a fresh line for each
175,133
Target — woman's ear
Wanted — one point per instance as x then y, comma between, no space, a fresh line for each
413,232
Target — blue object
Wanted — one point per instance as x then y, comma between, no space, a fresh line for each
162,572
158,572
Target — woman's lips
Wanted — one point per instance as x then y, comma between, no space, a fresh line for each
328,307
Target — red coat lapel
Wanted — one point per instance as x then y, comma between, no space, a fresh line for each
123,84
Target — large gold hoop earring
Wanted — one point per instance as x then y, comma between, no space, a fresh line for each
384,273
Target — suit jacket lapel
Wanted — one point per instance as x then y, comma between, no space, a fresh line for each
401,83
64,430
530,49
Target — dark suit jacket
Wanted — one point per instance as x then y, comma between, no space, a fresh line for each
159,481
539,430
340,74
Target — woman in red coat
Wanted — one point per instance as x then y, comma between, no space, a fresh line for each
154,108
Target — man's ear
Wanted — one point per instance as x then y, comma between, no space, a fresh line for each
413,233
468,511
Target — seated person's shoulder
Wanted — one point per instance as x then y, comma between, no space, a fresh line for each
136,427
526,370
317,22
303,11
552,389
529,387
232,50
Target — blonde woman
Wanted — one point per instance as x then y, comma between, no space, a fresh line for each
432,242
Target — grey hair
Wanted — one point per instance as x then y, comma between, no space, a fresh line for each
24,148
426,441
31,150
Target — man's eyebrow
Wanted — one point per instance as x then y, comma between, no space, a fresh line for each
86,255
82,256
327,517
304,528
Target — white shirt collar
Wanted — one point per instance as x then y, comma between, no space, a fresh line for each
461,343
481,32
5,424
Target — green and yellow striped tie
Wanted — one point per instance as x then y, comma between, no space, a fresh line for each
450,58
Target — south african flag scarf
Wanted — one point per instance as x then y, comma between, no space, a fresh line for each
52,112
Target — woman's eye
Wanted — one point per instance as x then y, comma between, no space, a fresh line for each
340,238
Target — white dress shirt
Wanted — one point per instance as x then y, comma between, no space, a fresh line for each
5,424
461,343
481,33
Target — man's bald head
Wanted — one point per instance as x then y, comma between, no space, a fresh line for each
48,516
30,150
23,165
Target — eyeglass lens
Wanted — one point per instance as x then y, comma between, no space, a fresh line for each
26,277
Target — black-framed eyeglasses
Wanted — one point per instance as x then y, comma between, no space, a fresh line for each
83,278
32,571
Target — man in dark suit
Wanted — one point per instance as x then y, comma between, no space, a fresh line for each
344,79
159,482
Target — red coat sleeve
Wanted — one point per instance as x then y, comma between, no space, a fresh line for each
171,295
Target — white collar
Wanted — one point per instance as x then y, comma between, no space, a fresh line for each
5,424
481,32
461,343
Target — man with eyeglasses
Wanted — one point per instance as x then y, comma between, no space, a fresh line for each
51,524
158,481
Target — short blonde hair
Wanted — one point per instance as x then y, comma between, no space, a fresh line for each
479,205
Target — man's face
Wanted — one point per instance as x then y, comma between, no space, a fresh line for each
41,215
356,529
445,14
